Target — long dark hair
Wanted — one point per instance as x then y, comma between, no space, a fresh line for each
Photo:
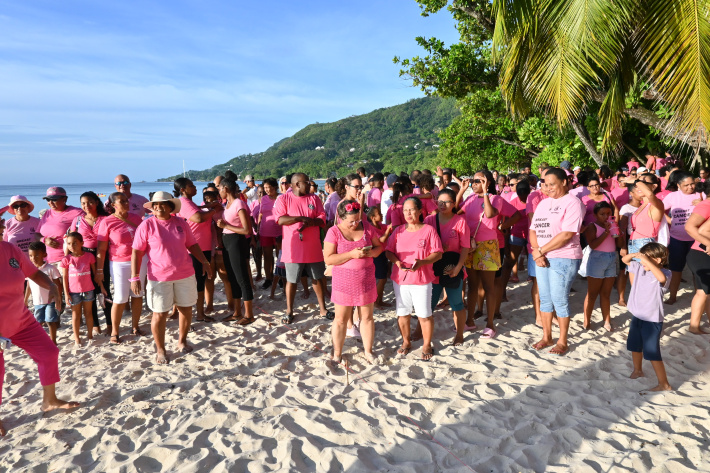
179,184
491,182
100,209
522,189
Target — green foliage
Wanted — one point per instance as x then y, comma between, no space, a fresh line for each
399,138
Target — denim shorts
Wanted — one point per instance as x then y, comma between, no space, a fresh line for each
645,337
532,267
79,297
636,245
554,283
46,313
601,264
517,241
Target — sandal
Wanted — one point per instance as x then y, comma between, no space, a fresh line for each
137,332
426,356
330,315
232,318
206,318
246,321
114,340
287,319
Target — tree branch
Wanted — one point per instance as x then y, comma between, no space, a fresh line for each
513,143
479,16
583,136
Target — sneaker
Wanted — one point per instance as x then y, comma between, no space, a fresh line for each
353,332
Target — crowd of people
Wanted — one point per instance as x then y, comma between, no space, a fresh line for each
443,240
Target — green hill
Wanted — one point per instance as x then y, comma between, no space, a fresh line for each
399,138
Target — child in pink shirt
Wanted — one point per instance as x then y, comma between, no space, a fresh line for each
77,268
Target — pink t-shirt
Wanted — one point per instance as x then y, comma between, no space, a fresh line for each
633,164
702,209
119,236
269,227
87,232
679,206
589,205
231,214
135,205
520,229
395,214
663,194
507,210
55,225
15,266
411,246
21,234
202,231
455,233
374,197
559,215
334,235
165,242
307,248
533,201
79,268
473,208
620,196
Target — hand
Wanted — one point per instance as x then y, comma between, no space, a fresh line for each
68,300
359,253
51,242
607,226
465,183
400,265
207,269
439,171
623,252
452,271
417,264
99,278
221,223
542,262
484,184
136,287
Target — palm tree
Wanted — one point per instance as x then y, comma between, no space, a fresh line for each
561,55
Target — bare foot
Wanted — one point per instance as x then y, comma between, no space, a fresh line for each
458,341
542,344
670,301
608,327
622,303
58,404
209,309
3,432
161,358
184,348
370,358
259,277
636,374
697,331
77,343
306,295
404,349
661,387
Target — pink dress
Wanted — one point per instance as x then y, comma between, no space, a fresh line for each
354,282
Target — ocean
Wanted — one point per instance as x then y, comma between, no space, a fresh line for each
35,192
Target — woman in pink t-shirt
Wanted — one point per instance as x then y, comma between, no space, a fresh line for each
199,219
482,210
554,239
596,195
518,232
21,230
87,226
679,205
698,228
268,230
165,241
115,235
236,230
413,248
350,247
350,188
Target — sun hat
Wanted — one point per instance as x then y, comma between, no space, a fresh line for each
162,196
642,169
19,198
54,193
248,178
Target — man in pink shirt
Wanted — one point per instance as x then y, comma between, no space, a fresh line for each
135,201
301,215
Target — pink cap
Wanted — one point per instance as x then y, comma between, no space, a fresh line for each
19,198
55,193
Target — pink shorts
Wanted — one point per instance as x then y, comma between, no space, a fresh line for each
267,241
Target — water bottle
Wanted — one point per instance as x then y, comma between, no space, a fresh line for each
614,229
100,300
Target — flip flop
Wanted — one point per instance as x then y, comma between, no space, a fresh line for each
330,315
246,321
466,328
431,353
488,333
287,319
403,351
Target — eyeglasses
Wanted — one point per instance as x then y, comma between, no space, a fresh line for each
357,187
477,181
445,202
283,183
21,205
593,185
122,183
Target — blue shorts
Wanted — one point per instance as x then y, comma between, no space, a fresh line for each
678,254
554,283
280,272
532,267
79,297
601,264
636,245
517,241
46,313
645,337
454,294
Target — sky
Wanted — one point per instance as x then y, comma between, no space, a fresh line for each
89,89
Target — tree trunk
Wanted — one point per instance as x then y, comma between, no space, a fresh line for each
584,137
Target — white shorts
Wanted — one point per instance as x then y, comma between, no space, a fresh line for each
120,274
412,298
163,294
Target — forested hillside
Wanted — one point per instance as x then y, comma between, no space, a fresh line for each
398,138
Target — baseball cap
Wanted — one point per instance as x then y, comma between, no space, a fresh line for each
55,193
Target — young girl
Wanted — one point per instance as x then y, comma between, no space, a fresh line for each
649,282
625,213
374,216
279,271
77,267
601,266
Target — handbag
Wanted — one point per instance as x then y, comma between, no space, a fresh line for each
585,259
449,258
474,245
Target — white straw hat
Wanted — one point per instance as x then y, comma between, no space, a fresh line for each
162,196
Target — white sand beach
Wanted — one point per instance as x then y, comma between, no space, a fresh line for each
264,398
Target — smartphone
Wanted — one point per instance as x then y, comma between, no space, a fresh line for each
5,343
365,248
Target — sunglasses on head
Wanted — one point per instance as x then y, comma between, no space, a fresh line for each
122,183
20,205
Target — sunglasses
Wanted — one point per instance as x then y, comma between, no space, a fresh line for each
357,187
477,181
122,183
21,205
54,199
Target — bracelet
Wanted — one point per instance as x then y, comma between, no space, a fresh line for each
134,279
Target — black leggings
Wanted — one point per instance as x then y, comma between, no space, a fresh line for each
236,261
97,291
199,275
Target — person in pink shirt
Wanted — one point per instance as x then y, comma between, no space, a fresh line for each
115,235
350,247
679,205
596,195
374,197
87,226
56,221
199,219
350,188
518,232
269,230
301,215
164,240
22,229
413,248
19,325
482,210
209,196
136,203
331,202
554,238
256,249
427,193
77,268
236,231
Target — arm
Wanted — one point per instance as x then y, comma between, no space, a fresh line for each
377,248
655,270
558,241
431,259
197,253
201,217
657,208
462,190
591,235
510,221
540,260
100,255
65,283
394,259
693,225
136,260
333,258
245,229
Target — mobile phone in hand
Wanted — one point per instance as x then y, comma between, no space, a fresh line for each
366,248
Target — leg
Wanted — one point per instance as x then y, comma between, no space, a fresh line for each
637,357
136,310
183,328
621,287
561,346
319,289
405,331
76,322
53,331
697,307
367,330
337,330
88,315
660,370
306,292
256,252
535,295
594,286
290,290
427,324
233,262
116,314
268,262
488,282
473,280
380,302
605,302
157,326
107,286
675,285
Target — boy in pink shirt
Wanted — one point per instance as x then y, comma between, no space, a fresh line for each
301,215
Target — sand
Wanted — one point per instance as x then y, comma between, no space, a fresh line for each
264,398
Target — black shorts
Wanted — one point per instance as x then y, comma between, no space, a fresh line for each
699,264
645,337
678,253
499,273
200,277
381,266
